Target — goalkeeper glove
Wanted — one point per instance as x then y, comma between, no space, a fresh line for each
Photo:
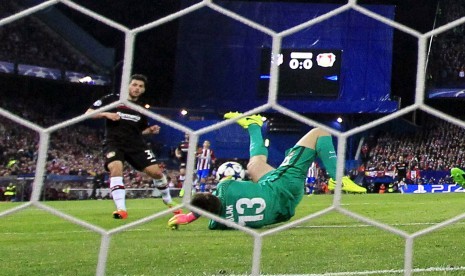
181,219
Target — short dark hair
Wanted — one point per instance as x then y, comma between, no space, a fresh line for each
140,77
207,202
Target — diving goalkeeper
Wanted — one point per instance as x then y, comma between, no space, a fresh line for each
272,195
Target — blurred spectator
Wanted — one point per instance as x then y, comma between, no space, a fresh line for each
181,151
436,146
29,41
10,192
447,61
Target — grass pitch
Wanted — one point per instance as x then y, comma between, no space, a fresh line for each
36,242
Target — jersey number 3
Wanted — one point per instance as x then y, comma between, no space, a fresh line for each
250,203
150,154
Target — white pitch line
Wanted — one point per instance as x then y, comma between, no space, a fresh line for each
390,271
369,225
71,232
308,226
353,273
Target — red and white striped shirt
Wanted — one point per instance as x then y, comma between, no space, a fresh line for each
205,158
313,170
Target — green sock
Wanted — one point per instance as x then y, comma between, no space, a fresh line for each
257,145
327,154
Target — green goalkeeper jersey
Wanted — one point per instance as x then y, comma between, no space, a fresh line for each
272,200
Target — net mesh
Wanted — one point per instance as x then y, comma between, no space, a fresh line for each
272,103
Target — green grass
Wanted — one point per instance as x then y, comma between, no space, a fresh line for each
35,242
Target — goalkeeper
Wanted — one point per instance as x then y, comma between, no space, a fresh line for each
458,176
272,195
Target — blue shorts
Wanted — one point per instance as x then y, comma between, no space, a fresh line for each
203,173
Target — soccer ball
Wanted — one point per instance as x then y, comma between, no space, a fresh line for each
230,168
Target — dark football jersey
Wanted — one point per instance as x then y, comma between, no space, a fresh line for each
127,131
401,170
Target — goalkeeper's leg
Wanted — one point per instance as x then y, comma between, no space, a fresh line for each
258,152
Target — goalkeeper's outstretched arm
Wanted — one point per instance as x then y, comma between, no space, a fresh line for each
204,201
181,219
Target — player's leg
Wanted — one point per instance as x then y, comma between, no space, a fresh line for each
257,166
199,178
146,162
161,184
157,175
182,173
322,142
117,189
203,174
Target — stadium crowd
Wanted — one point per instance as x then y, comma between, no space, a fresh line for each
447,62
75,151
29,41
437,147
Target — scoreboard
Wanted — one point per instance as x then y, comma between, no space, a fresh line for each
304,73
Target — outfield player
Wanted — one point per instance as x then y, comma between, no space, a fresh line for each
124,141
272,195
205,159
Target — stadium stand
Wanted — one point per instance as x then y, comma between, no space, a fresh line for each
30,41
447,61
